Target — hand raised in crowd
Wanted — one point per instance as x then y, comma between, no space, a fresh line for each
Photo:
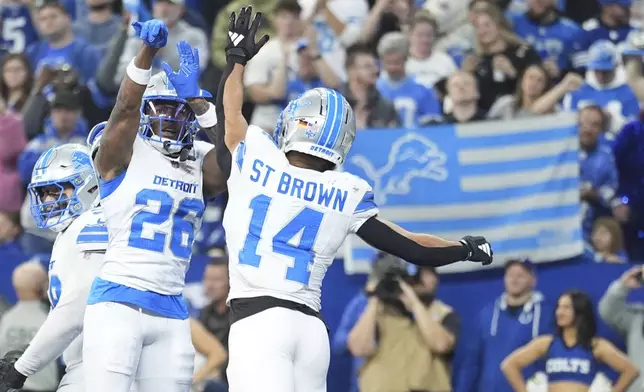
503,64
550,65
632,278
470,63
622,213
45,76
572,81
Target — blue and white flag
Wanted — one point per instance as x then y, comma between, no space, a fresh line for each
515,182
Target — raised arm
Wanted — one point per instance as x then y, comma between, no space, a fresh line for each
423,249
120,132
240,49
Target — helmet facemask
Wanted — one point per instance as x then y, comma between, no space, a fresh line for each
170,125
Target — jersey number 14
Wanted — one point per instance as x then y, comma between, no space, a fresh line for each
308,222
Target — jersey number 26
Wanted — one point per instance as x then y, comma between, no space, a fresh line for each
188,212
307,221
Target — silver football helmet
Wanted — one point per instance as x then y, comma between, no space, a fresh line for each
320,122
63,186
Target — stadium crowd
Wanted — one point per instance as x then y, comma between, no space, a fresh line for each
401,64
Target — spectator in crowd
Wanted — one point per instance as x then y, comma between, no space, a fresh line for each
354,310
266,75
170,12
59,45
628,207
574,341
625,318
338,24
462,101
454,21
369,107
384,17
311,71
208,347
607,241
425,63
212,235
20,324
416,334
512,320
500,56
612,24
12,143
533,98
215,315
416,104
606,87
65,125
18,30
554,37
96,97
9,234
597,170
100,25
17,80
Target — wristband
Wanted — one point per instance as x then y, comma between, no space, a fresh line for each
138,75
208,119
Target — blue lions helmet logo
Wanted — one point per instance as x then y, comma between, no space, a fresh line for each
80,160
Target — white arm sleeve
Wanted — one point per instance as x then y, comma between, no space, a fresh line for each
65,322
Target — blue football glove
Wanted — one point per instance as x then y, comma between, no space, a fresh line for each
153,33
186,79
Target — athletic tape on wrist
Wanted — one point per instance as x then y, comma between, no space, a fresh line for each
208,119
138,75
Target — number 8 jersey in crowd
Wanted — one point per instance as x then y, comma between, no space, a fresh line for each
152,212
285,224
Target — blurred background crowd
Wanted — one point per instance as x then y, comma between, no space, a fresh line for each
402,64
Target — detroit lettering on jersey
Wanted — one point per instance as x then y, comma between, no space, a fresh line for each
175,184
330,197
568,365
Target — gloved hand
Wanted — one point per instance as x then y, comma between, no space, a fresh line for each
186,79
153,33
241,45
479,249
10,379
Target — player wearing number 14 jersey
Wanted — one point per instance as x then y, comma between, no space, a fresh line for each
153,179
287,215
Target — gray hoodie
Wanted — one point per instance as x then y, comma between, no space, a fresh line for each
627,320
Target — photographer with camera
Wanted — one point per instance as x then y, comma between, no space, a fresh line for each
627,319
405,334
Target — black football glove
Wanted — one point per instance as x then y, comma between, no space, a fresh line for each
10,379
479,249
241,45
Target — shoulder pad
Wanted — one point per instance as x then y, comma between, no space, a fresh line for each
92,231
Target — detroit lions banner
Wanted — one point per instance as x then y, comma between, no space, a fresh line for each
515,182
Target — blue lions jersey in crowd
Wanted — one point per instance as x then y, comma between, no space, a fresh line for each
416,104
558,40
296,86
593,31
18,30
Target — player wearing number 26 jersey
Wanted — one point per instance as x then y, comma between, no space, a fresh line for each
63,195
287,215
153,180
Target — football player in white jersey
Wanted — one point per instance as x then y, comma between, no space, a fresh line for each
288,213
63,195
153,179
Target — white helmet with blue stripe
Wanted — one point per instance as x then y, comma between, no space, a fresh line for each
167,121
63,186
320,122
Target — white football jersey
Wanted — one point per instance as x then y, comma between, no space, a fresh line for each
72,268
284,224
152,212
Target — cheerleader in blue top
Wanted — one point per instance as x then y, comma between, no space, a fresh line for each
573,353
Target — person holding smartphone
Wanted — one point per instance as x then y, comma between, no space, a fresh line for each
627,319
